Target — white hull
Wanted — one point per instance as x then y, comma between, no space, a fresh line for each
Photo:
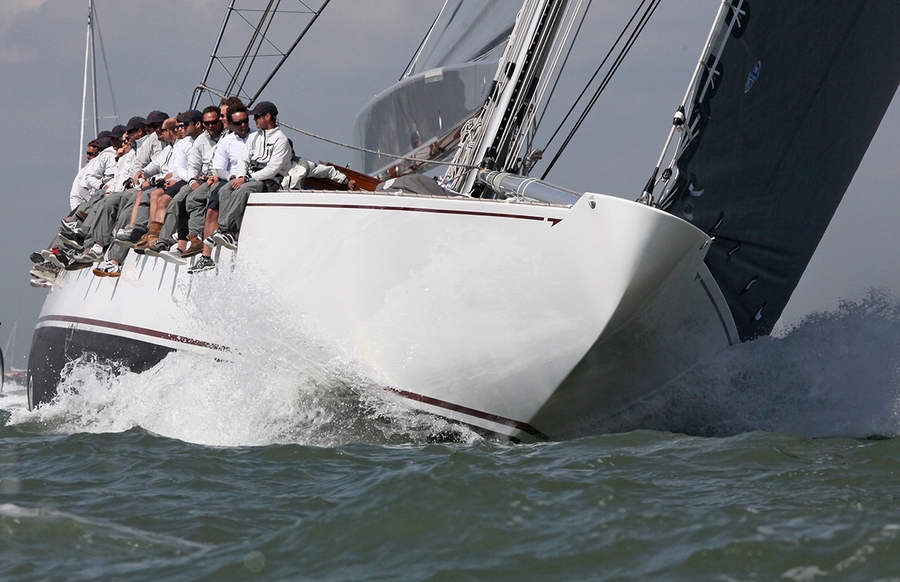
529,321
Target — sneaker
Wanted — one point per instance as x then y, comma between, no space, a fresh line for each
225,239
72,238
80,262
204,263
40,283
129,236
210,241
173,257
70,224
57,257
94,255
107,269
45,271
37,257
156,248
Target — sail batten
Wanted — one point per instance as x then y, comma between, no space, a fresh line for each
800,90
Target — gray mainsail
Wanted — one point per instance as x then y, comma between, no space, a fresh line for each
779,124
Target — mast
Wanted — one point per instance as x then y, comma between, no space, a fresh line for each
89,70
492,139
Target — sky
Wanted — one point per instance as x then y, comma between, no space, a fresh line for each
157,53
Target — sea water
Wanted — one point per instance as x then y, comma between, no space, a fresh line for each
774,461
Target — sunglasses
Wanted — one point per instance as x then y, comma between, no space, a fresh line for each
179,126
92,154
240,121
258,115
210,123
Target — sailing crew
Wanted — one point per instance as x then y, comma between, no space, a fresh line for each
190,127
263,164
203,207
135,211
177,218
99,223
79,194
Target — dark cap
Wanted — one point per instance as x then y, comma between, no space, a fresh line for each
264,107
104,133
156,117
103,143
192,116
118,131
135,122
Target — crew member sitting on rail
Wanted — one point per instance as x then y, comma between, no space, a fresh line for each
265,161
204,206
191,126
199,167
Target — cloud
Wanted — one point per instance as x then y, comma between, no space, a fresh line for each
10,10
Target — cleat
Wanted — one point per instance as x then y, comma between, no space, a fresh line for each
225,239
204,263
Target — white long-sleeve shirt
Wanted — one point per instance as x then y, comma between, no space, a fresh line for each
225,160
123,171
201,156
101,170
178,164
78,193
267,155
159,165
147,147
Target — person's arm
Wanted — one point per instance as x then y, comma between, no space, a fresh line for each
280,161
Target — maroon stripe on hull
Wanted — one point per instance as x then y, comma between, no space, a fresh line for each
553,221
134,329
522,426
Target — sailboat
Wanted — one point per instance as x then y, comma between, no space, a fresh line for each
14,374
496,299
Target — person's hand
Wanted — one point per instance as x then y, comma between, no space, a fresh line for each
238,182
353,185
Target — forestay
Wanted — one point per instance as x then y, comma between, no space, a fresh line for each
792,95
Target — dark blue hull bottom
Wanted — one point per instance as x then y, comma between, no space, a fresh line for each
53,347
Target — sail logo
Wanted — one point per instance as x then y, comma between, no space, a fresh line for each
754,75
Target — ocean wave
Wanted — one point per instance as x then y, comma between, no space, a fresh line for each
834,373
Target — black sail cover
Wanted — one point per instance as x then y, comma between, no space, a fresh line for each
800,89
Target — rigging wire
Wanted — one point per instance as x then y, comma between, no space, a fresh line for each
239,72
626,48
353,147
562,68
112,95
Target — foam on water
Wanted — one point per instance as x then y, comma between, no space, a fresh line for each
832,374
279,383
